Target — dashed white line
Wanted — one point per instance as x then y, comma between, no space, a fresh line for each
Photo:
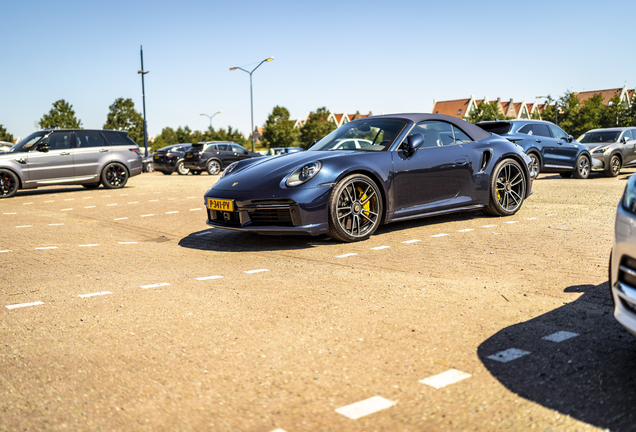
466,230
134,202
560,336
47,247
172,212
27,203
155,285
88,245
5,251
445,378
511,222
256,271
153,200
69,199
66,209
208,278
488,226
531,218
380,247
110,205
89,207
346,255
121,218
508,355
439,235
21,305
95,294
411,241
196,209
9,213
365,407
127,242
49,201
148,215
56,224
23,226
190,197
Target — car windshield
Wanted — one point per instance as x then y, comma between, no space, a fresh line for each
370,134
600,137
27,143
499,128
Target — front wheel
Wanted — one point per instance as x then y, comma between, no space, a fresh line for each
8,184
114,176
213,167
582,170
355,209
150,167
181,169
535,165
507,189
614,166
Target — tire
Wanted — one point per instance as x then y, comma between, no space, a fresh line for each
535,165
181,169
91,185
114,176
567,174
614,167
583,166
507,189
609,279
150,167
9,183
213,167
195,172
355,209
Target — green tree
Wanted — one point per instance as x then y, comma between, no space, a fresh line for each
485,112
590,115
316,127
183,134
4,135
230,134
123,116
615,114
167,137
61,116
568,115
279,130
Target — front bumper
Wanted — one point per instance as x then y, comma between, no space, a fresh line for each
623,269
290,211
196,164
599,162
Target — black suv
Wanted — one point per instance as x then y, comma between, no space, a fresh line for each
170,159
214,156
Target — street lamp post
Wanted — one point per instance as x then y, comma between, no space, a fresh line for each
210,117
143,98
251,95
556,109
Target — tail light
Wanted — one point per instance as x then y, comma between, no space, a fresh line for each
135,151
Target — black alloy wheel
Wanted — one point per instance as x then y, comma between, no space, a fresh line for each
614,166
8,184
181,169
507,189
583,166
535,165
355,209
114,176
213,167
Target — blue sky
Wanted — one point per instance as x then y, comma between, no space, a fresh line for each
389,56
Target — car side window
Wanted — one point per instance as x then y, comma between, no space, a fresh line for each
237,148
540,129
223,147
460,136
558,133
58,140
85,139
435,133
628,134
115,138
526,129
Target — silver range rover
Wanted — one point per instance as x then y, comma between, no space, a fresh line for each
69,156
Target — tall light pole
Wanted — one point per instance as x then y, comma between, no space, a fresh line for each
143,98
251,96
556,108
210,117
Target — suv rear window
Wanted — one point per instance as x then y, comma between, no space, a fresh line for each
118,138
499,128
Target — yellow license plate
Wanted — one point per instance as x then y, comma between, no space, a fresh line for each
157,157
189,156
220,205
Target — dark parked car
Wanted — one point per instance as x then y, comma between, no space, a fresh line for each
170,159
551,149
69,156
214,156
281,150
416,165
611,149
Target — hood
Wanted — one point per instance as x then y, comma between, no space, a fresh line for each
267,172
592,146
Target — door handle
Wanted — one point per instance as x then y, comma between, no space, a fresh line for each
103,150
559,142
64,154
538,140
20,160
461,162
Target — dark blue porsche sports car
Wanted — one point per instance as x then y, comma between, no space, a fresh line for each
409,166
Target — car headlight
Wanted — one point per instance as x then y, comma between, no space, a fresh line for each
629,196
600,150
303,174
228,169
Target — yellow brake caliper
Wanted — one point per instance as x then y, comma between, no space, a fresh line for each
367,205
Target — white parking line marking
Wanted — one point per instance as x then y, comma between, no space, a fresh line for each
109,205
105,196
147,215
9,213
69,199
95,294
23,226
451,376
153,200
89,207
439,235
190,197
127,242
283,430
196,209
121,218
411,241
88,245
203,233
8,250
488,226
466,230
508,355
49,201
346,255
21,305
560,336
155,285
27,203
56,224
208,278
380,247
531,218
256,271
172,212
365,407
134,202
510,222
47,247
66,209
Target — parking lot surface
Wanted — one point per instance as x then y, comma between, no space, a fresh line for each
123,311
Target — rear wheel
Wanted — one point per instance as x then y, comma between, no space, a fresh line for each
150,167
213,167
507,189
181,169
114,176
355,209
582,170
535,165
614,166
8,184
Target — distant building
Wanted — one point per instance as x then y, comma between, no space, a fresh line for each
258,135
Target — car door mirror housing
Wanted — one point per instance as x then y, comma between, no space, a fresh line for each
43,148
624,140
570,138
413,142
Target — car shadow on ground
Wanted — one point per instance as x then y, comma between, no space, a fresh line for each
590,377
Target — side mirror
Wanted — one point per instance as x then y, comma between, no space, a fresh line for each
570,138
246,152
413,142
624,140
43,148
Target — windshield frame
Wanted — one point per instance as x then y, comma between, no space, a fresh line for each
606,133
19,147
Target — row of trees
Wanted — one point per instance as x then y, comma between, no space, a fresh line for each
279,130
572,115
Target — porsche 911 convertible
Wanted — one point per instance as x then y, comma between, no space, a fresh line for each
410,166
